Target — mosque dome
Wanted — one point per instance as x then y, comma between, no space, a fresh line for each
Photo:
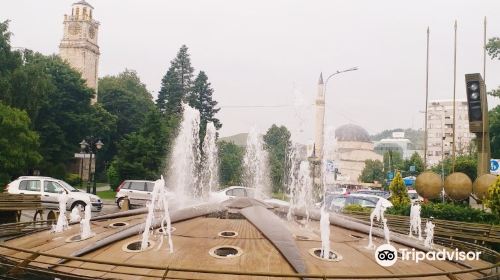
352,132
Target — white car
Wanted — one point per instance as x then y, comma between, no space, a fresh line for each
338,202
49,189
239,191
137,191
414,196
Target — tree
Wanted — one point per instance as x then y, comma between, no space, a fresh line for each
416,161
373,171
464,163
230,163
128,99
399,193
277,143
393,161
141,154
493,48
493,198
201,99
176,84
18,144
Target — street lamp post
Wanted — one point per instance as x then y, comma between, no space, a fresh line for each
92,146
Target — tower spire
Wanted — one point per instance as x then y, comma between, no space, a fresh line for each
320,82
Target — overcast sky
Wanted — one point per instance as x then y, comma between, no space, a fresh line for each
265,53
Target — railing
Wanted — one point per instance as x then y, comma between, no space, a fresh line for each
19,229
18,265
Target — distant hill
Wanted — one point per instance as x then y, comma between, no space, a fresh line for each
238,139
415,136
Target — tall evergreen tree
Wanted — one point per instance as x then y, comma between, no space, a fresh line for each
176,84
201,98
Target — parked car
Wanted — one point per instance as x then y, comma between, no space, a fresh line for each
384,194
49,190
338,202
138,192
239,191
414,196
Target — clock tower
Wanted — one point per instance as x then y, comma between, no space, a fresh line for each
79,43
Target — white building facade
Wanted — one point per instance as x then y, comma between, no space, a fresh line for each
440,130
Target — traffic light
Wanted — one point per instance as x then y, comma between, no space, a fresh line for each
477,104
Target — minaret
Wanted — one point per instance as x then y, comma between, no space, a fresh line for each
320,118
79,43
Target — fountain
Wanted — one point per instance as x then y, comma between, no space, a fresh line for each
429,231
62,221
415,220
74,216
209,165
159,202
182,174
378,213
300,187
255,164
85,231
324,223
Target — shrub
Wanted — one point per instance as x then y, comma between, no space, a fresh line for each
113,177
72,179
493,198
449,211
356,208
399,193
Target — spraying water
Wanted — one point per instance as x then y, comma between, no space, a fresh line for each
185,158
324,223
415,220
74,216
429,231
62,222
378,213
159,201
300,188
85,231
209,165
255,163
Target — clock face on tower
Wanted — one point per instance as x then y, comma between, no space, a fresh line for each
74,28
91,32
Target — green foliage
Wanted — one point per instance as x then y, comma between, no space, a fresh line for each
18,143
277,143
201,99
415,160
141,154
449,211
373,171
493,198
113,176
493,47
176,84
494,126
230,163
73,179
393,161
356,208
463,163
399,193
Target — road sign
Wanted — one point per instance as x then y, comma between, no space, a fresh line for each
83,155
412,168
495,166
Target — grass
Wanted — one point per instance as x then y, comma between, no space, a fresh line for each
106,194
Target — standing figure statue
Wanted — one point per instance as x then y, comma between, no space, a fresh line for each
429,231
415,220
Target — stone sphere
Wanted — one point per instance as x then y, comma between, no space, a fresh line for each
428,185
458,186
481,185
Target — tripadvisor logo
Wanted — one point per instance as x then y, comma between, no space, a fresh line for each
387,255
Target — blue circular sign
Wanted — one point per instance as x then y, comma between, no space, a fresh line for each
494,165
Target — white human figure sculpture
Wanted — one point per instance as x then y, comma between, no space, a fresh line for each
429,231
85,231
377,213
415,220
62,222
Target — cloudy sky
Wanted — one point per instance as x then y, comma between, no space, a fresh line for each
262,56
